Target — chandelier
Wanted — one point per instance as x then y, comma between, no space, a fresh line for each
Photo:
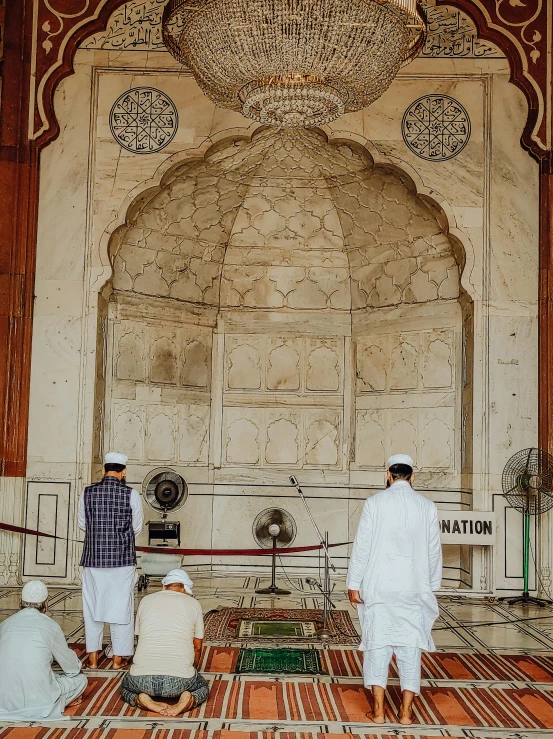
293,63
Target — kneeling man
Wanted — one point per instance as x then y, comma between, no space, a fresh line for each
29,642
170,630
395,565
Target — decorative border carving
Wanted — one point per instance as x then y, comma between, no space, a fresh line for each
521,29
518,27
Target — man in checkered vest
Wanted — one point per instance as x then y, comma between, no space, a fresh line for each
110,514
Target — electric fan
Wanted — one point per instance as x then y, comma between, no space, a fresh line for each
528,486
165,490
274,528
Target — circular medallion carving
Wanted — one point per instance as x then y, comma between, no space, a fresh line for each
143,120
436,127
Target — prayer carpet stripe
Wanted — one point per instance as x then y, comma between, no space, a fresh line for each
438,665
298,701
26,732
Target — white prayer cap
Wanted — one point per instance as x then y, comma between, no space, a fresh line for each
178,577
35,591
116,458
401,459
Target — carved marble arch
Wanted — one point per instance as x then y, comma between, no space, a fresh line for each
293,222
519,29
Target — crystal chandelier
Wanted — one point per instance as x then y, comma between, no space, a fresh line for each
293,63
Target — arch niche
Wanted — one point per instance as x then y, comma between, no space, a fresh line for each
313,269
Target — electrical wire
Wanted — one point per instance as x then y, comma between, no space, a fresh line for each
311,593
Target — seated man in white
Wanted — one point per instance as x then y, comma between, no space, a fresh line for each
29,642
170,630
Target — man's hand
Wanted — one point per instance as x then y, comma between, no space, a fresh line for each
354,597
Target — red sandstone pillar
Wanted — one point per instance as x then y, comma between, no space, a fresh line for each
18,220
545,309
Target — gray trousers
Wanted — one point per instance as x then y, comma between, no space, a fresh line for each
163,686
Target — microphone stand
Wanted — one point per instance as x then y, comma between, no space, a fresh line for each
322,539
325,632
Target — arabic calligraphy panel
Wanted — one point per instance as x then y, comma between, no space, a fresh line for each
143,120
436,127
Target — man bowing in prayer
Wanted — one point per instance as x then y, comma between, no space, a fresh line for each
110,514
395,565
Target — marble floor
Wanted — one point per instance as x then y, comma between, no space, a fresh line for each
467,625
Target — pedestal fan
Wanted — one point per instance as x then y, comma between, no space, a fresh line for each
274,528
528,486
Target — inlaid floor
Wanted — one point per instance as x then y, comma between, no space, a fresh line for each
492,677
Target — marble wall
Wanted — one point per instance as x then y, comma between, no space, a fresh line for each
242,305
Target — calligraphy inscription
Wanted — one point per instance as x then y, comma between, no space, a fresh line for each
436,127
143,120
451,33
137,26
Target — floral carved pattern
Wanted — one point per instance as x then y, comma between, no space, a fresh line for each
518,27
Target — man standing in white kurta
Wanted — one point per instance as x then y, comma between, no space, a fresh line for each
110,514
395,565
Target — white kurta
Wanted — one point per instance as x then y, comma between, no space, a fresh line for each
396,564
108,592
29,689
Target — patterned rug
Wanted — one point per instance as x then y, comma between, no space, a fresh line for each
437,666
297,701
222,625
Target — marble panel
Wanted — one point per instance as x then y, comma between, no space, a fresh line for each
243,365
283,364
242,436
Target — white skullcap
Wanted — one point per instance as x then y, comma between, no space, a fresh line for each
116,458
401,459
178,577
34,591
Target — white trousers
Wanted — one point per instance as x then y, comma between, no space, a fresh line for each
122,637
108,597
71,688
377,661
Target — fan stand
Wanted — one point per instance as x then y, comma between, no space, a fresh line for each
273,589
525,598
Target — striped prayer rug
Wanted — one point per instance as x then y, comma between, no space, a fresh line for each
297,701
436,666
37,732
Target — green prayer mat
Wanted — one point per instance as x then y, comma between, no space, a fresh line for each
276,629
291,661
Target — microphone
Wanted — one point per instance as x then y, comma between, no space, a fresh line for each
293,480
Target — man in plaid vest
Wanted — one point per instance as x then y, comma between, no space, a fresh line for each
110,514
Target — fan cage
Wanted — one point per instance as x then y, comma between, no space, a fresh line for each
527,481
260,528
153,479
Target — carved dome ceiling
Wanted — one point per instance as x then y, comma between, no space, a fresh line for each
285,222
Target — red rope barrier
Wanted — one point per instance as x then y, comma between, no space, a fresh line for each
183,552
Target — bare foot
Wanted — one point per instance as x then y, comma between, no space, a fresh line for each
186,702
376,718
119,662
93,660
149,704
406,718
76,702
